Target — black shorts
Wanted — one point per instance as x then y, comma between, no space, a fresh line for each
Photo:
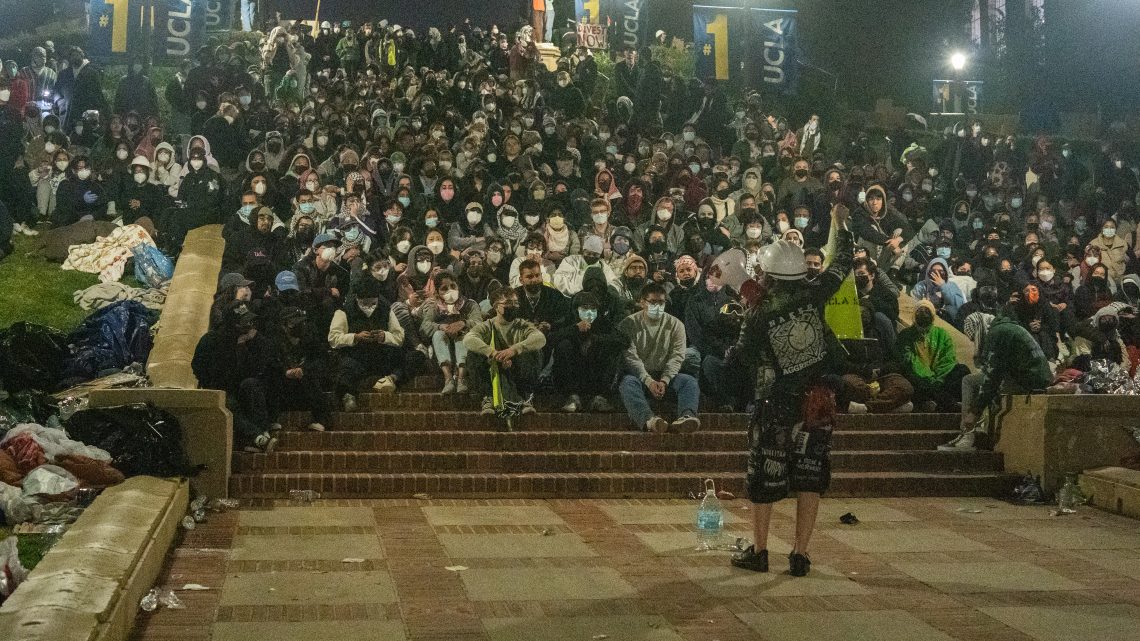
790,452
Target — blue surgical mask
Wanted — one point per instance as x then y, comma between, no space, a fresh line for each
392,219
588,315
943,252
655,311
431,223
979,223
801,222
307,208
246,210
404,200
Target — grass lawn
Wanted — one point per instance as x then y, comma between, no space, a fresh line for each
35,290
32,547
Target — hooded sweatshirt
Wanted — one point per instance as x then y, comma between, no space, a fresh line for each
1009,353
946,298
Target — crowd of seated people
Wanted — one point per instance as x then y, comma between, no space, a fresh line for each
391,199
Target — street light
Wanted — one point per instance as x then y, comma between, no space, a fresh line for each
958,60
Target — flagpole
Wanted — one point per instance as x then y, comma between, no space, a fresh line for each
317,19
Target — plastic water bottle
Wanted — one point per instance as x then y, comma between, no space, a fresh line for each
1070,496
710,518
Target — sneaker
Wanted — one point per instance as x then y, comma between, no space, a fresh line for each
927,407
600,404
528,408
905,408
657,425
448,387
685,424
572,404
386,385
488,408
856,408
348,403
423,349
315,427
964,443
798,564
461,386
29,230
750,559
263,444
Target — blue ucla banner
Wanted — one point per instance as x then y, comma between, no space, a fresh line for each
172,29
720,42
776,65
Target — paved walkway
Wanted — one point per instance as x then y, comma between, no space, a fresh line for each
561,570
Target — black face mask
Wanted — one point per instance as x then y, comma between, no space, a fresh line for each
657,246
688,282
591,260
634,282
511,312
801,173
723,193
533,290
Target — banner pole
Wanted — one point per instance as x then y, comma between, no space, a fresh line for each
316,20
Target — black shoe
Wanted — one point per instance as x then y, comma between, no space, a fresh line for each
750,559
798,564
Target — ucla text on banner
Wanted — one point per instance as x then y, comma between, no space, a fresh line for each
843,313
775,64
720,42
174,28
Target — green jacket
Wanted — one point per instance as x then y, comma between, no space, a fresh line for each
939,348
1010,355
348,50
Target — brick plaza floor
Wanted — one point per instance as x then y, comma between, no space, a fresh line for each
927,569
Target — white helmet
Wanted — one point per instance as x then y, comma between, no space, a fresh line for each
326,25
729,269
783,260
140,161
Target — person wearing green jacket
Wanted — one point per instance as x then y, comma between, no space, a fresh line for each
1012,363
512,344
348,52
930,363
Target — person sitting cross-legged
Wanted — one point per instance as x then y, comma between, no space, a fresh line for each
653,362
366,336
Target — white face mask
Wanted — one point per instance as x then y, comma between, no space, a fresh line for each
259,188
5,95
229,119
508,221
599,219
381,273
451,296
197,164
140,178
783,226
689,136
312,186
61,165
403,246
83,174
244,100
423,266
629,167
122,154
50,148
436,247
201,104
398,167
753,232
473,217
322,140
1091,260
664,214
328,253
1046,275
164,158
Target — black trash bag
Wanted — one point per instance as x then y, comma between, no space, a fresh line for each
32,357
109,340
142,439
29,406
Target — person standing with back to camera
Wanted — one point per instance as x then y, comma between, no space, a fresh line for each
794,354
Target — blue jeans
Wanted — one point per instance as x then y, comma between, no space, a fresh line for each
443,344
683,386
248,14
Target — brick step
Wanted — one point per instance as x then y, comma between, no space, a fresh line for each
421,401
548,485
406,420
396,462
603,441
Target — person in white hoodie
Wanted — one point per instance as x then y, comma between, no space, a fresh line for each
166,169
568,276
